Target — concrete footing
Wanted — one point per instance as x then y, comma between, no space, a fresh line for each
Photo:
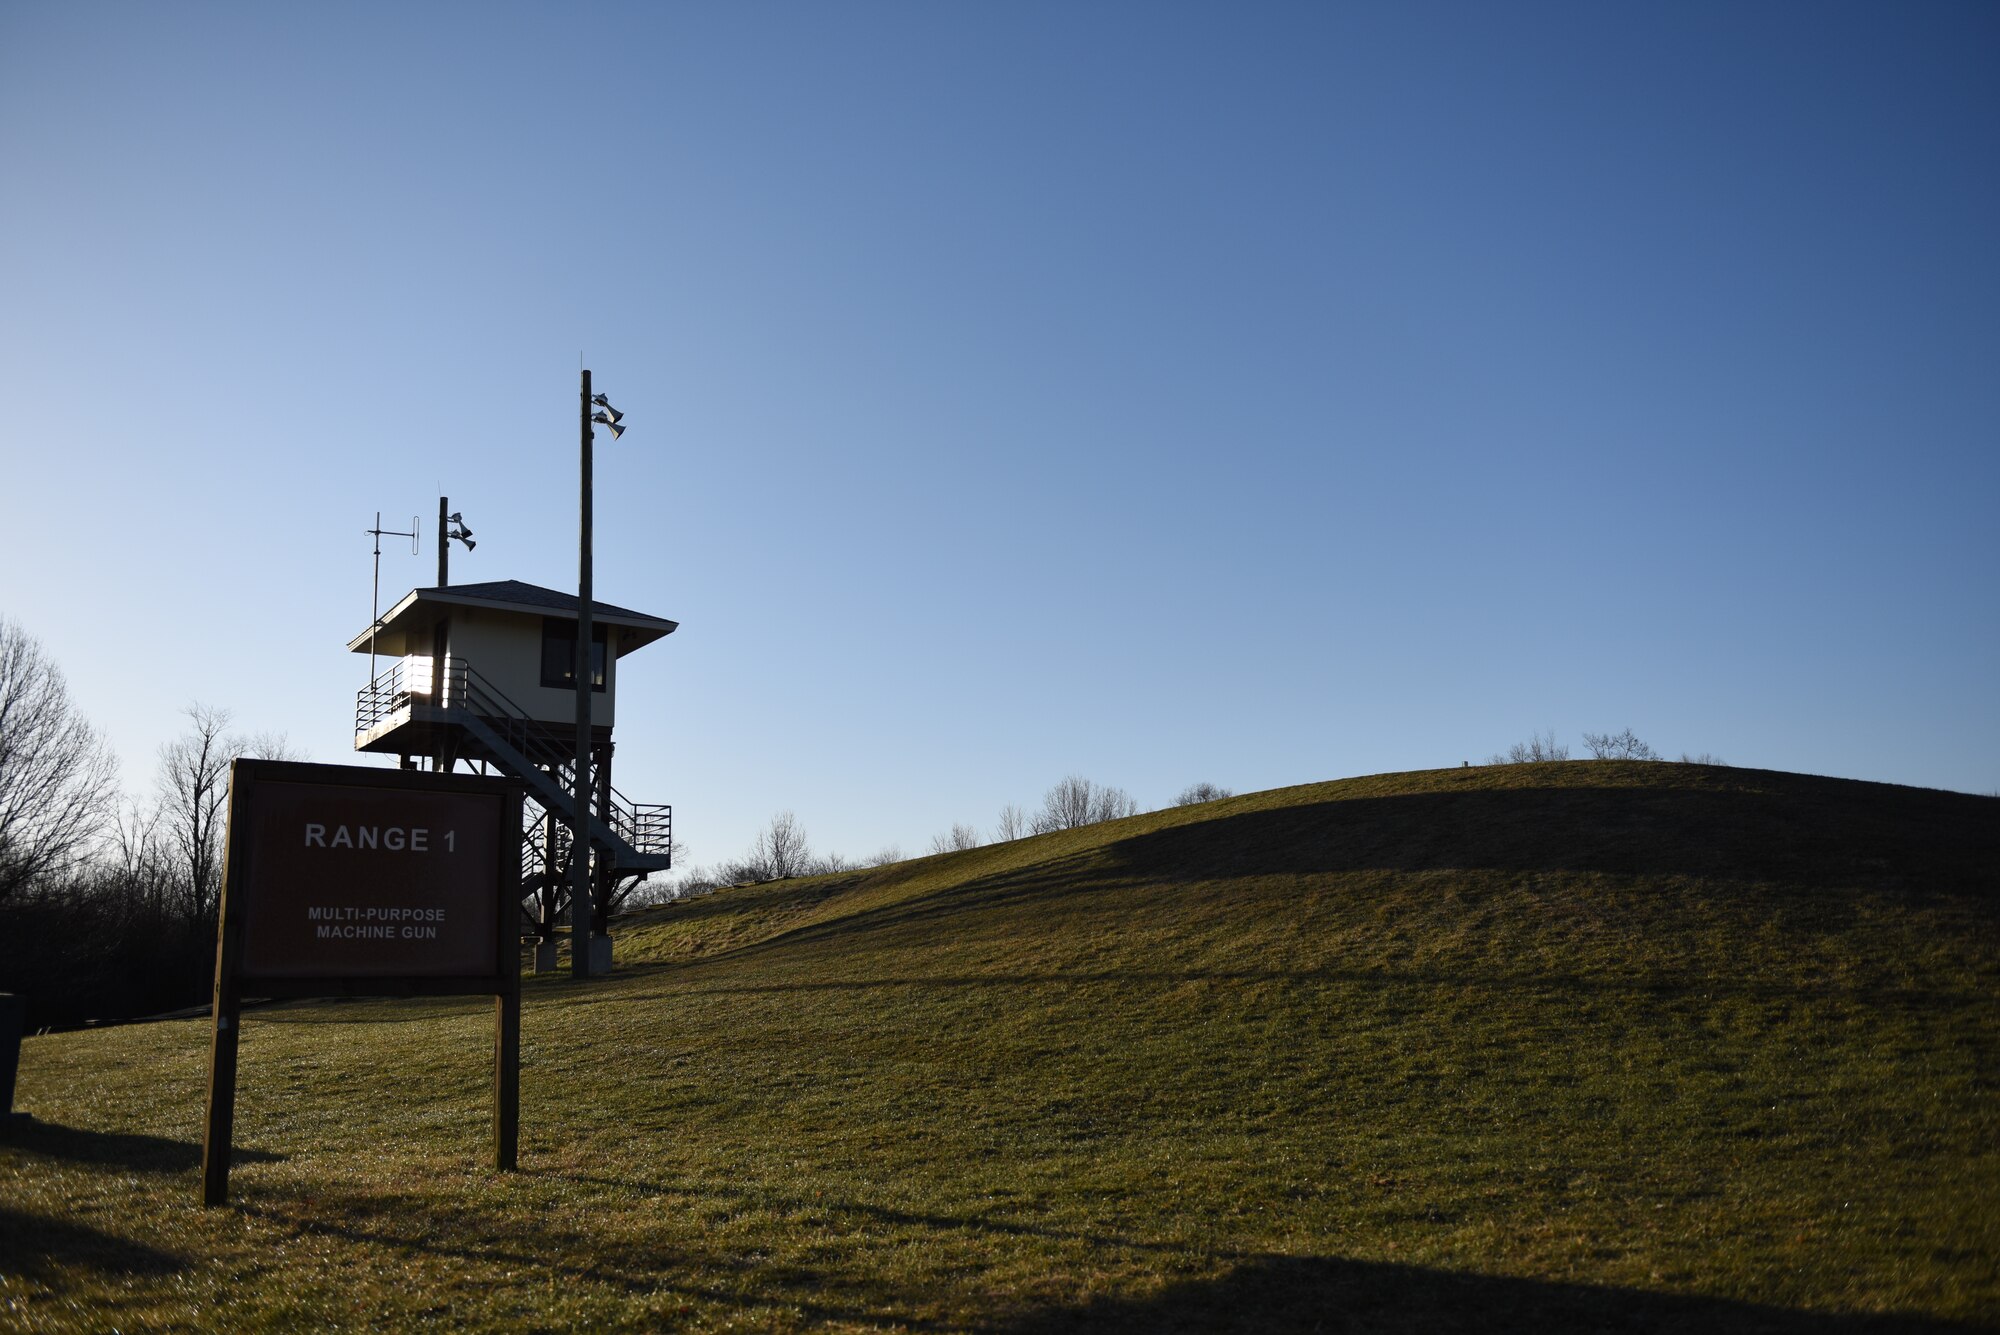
596,958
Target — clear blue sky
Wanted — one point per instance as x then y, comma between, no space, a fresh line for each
1158,393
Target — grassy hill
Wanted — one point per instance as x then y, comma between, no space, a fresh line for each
1597,1045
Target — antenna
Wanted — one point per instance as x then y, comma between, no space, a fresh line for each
375,599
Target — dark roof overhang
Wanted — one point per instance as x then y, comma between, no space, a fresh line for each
421,608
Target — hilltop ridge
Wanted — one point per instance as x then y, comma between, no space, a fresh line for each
1608,825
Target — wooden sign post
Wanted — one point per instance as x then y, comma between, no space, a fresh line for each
344,881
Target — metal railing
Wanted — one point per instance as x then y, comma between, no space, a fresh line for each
645,827
544,744
648,827
387,695
534,854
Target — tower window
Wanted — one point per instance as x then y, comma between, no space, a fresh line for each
559,654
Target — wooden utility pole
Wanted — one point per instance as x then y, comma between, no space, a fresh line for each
444,546
582,903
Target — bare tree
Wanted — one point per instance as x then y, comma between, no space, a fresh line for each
56,773
781,850
193,800
1013,824
138,859
1076,802
1064,807
1703,759
1201,792
882,857
957,838
1537,750
1622,746
269,746
193,788
693,881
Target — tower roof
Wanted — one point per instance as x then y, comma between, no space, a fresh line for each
423,607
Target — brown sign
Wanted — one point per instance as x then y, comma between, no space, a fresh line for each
351,882
359,882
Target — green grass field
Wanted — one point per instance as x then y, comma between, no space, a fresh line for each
1588,1046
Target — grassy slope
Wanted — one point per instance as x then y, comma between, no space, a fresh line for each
1626,1046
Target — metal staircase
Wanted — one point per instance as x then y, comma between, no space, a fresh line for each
631,838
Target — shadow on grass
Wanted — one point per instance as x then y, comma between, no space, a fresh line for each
1258,1292
413,1226
1267,1293
113,1149
1292,1293
874,1214
368,1010
1659,986
1812,834
35,1247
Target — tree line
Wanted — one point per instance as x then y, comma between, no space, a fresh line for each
108,899
1543,748
782,849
